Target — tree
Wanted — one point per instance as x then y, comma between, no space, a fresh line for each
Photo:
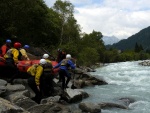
69,27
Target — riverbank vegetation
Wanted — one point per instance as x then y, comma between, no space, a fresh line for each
32,22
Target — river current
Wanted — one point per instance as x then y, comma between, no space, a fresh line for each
125,80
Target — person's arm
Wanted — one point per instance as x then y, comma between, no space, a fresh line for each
24,54
71,64
38,75
15,53
4,48
57,65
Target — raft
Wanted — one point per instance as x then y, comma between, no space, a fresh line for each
25,64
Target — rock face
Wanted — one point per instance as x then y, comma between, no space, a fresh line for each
90,107
74,95
145,63
8,107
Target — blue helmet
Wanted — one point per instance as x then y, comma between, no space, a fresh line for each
8,41
26,46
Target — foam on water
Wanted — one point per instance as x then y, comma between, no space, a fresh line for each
125,79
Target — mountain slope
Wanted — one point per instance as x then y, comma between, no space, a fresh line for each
142,38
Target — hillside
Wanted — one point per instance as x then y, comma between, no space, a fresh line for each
142,38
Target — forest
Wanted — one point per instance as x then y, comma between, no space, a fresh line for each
32,22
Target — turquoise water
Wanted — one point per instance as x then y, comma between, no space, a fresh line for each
125,79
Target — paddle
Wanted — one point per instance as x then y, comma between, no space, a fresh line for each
49,53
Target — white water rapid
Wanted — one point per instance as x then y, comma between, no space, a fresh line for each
125,80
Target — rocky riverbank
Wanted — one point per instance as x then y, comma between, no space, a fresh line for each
145,63
17,98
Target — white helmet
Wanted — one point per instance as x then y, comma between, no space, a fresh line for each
42,61
68,56
45,56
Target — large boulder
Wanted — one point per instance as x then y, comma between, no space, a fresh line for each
108,105
49,108
90,107
8,107
74,95
3,84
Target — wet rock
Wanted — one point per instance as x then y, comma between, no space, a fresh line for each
14,88
90,107
7,107
145,63
3,88
50,99
25,103
74,95
17,96
3,82
49,108
112,105
127,101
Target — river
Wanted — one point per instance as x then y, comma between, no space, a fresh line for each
125,79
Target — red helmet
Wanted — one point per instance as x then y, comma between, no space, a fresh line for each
17,45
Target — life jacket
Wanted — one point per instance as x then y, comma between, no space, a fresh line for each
65,63
9,54
47,69
20,55
1,49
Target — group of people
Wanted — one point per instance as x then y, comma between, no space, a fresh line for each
40,80
12,54
17,52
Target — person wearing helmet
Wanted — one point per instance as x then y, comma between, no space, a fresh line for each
48,66
61,55
64,66
35,81
12,57
48,86
5,47
24,52
13,54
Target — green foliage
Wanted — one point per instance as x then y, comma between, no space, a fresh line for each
68,26
29,21
32,22
138,48
88,56
70,48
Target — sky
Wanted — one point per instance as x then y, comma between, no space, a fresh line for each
119,18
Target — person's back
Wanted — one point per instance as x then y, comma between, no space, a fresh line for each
61,55
14,53
48,66
4,48
35,80
63,72
24,52
32,69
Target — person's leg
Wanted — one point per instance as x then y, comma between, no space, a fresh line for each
46,84
32,85
62,74
13,68
68,79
